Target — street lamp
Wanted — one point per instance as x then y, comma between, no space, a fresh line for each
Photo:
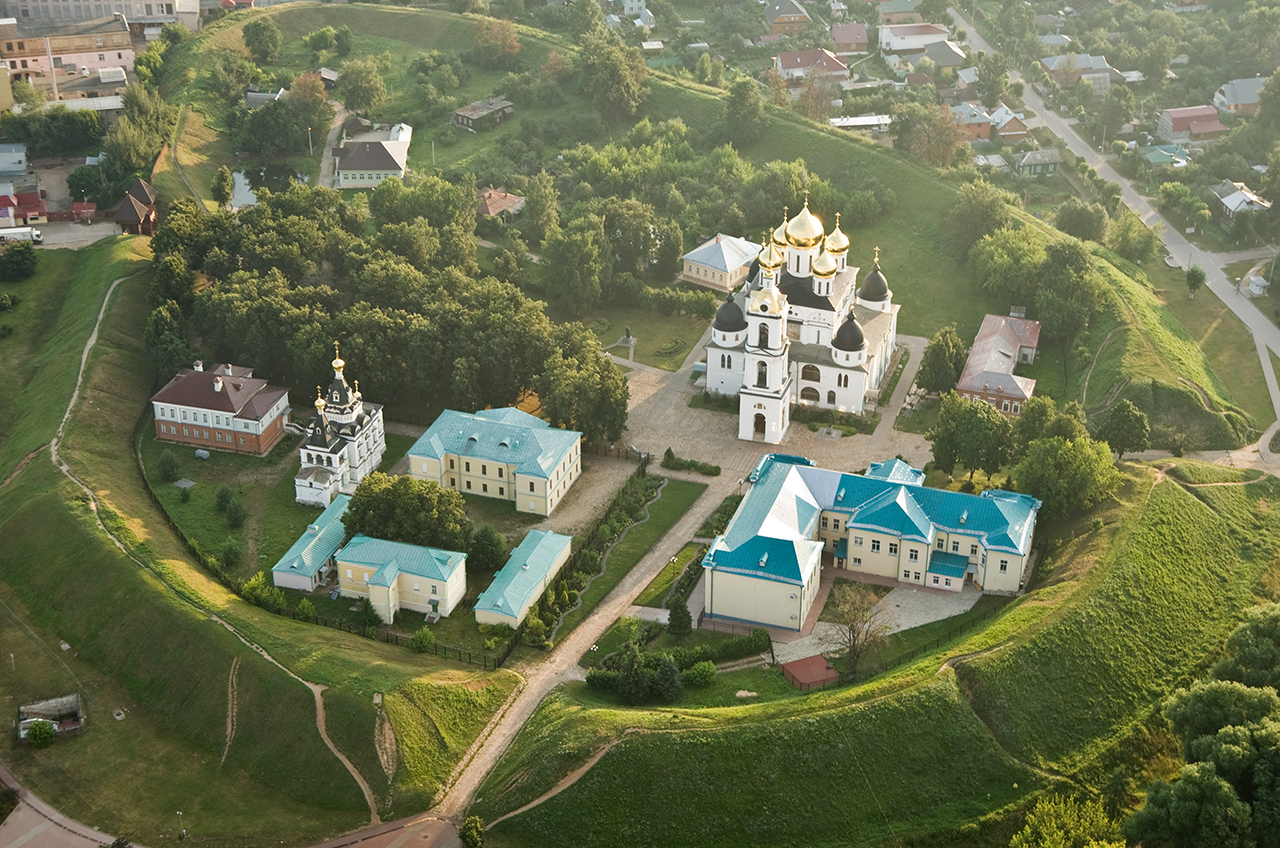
673,566
182,834
310,150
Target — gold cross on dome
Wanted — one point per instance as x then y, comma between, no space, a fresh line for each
877,253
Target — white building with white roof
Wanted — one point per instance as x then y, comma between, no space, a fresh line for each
720,263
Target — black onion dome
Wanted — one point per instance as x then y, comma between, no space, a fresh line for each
875,287
729,317
850,337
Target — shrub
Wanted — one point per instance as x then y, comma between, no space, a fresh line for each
472,832
5,331
701,674
168,468
423,640
719,520
675,463
369,618
8,301
606,680
680,622
667,683
18,262
231,554
306,610
41,734
236,514
744,646
223,499
256,590
185,495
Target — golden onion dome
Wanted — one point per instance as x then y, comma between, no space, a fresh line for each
837,242
770,257
319,401
780,234
804,230
824,266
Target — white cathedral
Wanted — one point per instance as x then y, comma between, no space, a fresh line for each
344,441
800,331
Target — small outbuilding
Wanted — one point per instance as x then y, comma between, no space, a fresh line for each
532,567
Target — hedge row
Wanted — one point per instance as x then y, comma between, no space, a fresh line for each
675,463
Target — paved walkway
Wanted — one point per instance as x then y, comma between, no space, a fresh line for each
327,173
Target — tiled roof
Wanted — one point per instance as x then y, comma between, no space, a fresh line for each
724,253
515,585
849,33
314,547
390,559
970,113
779,8
492,201
507,435
216,390
989,367
1183,117
819,58
904,30
143,191
131,211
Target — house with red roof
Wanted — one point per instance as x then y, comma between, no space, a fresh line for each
1190,123
795,65
497,202
850,38
1001,344
21,209
225,408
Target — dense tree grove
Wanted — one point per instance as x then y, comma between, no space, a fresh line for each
294,272
404,509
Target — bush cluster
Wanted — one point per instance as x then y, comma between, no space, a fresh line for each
846,421
718,522
672,301
675,463
257,590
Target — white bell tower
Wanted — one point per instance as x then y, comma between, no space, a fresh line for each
764,409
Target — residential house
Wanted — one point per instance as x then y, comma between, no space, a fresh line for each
796,519
909,38
1068,69
869,123
13,162
973,119
1001,344
483,114
44,51
137,213
899,12
109,108
500,453
1055,42
944,55
1172,155
804,64
720,263
850,38
1190,123
329,77
784,16
1239,96
396,576
1234,198
838,9
344,441
498,203
1037,163
645,20
309,561
634,8
993,161
530,570
141,16
612,22
224,408
1008,124
21,208
255,99
966,79
366,162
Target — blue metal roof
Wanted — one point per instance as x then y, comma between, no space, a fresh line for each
948,565
842,548
769,535
895,471
517,583
894,511
390,559
317,544
507,436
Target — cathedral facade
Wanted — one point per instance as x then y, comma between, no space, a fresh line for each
344,442
801,331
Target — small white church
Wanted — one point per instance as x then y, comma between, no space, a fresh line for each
801,331
344,441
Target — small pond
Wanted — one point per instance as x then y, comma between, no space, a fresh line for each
250,178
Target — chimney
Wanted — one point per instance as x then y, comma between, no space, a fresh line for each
198,365
217,384
226,369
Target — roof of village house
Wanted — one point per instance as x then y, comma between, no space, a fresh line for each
723,253
989,368
1238,196
945,54
823,60
849,33
768,537
780,8
892,7
506,436
321,539
970,112
1184,116
215,389
29,28
1048,156
903,30
367,156
1207,126
494,201
483,107
1242,92
132,211
1002,115
258,99
391,559
1055,40
524,574
1083,62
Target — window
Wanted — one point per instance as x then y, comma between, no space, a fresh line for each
501,491
467,467
451,465
955,547
835,524
935,580
875,546
857,541
1004,566
857,562
1017,409
893,549
484,487
824,522
917,575
531,489
184,415
973,550
947,582
185,432
468,485
219,435
348,574
415,587
500,472
452,482
164,428
906,575
913,555
941,544
433,588
831,398
366,577
484,469
1005,406
102,57
206,418
842,380
762,373
811,373
762,338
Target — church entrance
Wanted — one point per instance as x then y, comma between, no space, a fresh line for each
759,425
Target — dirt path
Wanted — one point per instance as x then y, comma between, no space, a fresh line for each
569,779
177,166
26,460
231,708
384,739
1084,393
327,172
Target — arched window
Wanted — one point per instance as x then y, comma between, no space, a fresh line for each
722,360
811,373
763,340
842,380
762,374
728,360
809,394
831,398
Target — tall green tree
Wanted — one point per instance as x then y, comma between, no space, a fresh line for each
612,73
1008,262
928,132
1065,822
1126,429
980,210
1070,293
1252,656
263,39
361,86
992,87
744,116
488,549
403,509
223,186
1086,221
1195,279
573,263
1067,476
541,206
942,362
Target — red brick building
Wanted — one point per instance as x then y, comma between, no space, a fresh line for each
988,374
786,16
225,408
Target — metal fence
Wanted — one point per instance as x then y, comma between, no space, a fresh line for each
806,687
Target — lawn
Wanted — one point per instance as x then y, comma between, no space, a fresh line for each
655,594
675,499
652,331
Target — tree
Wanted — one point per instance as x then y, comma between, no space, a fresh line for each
1261,26
815,98
1065,822
41,733
980,210
28,95
368,617
472,832
860,622
223,498
779,95
679,621
612,74
1156,58
18,262
1117,109
1126,429
1131,238
992,86
668,684
497,39
588,21
236,514
573,262
488,549
1067,476
231,554
942,362
223,186
1195,279
1008,263
928,132
1086,221
322,39
306,610
422,640
1069,293
1252,656
262,37
343,40
1197,809
633,679
361,86
541,206
744,116
168,467
1210,705
402,509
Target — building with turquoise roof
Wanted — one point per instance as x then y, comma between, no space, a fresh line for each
396,576
797,519
530,569
306,565
500,453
